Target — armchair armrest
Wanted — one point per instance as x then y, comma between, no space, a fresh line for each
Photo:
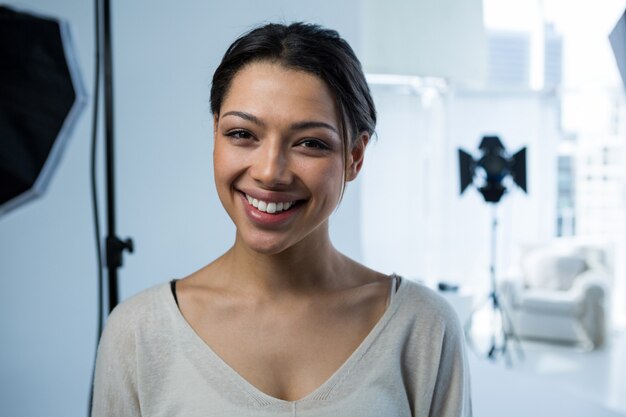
589,287
590,283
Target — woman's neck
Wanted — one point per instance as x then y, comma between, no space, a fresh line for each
309,267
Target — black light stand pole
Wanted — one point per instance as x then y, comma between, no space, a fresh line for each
495,302
114,245
503,331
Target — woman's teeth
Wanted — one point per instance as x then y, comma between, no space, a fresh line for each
270,207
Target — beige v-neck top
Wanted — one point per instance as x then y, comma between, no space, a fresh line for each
412,363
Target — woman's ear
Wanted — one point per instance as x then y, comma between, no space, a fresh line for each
355,159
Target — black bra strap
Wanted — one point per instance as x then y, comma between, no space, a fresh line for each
173,287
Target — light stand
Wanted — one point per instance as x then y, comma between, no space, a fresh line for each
114,245
501,328
496,165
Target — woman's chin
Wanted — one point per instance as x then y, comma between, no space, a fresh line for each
266,245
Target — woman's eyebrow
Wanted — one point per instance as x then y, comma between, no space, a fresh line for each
307,124
246,116
311,125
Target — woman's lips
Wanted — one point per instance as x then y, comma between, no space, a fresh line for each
269,213
270,207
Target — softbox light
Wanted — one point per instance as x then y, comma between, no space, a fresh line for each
41,98
618,44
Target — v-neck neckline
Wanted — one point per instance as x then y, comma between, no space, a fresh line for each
216,369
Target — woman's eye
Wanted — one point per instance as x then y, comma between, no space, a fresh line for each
239,134
314,144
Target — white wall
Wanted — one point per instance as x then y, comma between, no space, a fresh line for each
165,53
402,193
443,38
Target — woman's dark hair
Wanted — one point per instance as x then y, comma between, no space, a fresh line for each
312,49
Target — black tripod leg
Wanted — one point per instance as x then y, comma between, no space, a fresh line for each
510,332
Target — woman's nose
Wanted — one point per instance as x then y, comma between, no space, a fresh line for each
270,167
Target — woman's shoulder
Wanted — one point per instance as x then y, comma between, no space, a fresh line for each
421,301
142,308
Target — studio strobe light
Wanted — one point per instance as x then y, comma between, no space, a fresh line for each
489,173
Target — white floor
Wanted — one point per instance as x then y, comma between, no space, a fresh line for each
553,380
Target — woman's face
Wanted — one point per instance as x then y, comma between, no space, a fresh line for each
278,156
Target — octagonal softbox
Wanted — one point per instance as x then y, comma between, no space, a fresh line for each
41,97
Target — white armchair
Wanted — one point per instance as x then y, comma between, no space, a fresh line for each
558,294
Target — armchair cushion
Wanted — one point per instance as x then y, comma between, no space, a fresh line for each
551,302
552,270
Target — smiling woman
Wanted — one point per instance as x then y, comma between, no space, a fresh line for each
289,153
283,324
